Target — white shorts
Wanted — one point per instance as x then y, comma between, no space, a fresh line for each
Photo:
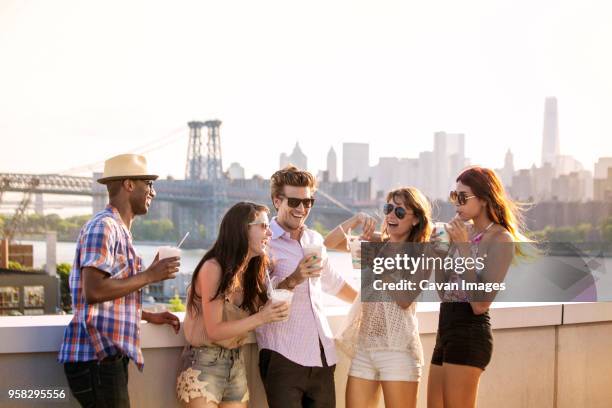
385,365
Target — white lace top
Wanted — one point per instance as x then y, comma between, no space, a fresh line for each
381,326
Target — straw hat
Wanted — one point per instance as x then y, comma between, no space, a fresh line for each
126,166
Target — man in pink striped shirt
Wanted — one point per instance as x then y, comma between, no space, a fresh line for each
297,357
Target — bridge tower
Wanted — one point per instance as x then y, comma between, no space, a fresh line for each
194,169
214,167
204,164
204,160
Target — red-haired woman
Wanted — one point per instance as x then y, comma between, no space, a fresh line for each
464,343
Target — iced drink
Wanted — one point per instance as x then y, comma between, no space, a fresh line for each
355,247
282,295
168,252
442,235
314,250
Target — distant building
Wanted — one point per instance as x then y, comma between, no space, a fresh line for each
603,187
392,172
601,168
165,290
425,171
541,182
522,185
449,160
355,161
573,187
28,293
235,171
566,164
297,158
332,165
283,161
550,132
323,176
348,192
507,172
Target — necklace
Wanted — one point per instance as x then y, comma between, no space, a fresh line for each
476,238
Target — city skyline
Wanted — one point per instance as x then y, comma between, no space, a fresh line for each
390,74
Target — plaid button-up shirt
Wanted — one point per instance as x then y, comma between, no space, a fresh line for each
107,328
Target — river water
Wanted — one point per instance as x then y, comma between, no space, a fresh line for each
341,262
189,260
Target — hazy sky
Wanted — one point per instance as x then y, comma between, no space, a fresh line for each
80,82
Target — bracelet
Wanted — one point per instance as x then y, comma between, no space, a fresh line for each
343,231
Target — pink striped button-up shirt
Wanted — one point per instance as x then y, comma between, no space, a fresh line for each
298,338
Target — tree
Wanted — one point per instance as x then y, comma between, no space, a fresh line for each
606,230
176,304
16,266
202,231
317,226
63,271
154,230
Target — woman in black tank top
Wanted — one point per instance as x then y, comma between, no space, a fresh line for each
464,342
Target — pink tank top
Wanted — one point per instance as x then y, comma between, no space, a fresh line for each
460,295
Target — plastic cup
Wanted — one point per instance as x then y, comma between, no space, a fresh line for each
282,295
314,250
355,247
442,236
168,252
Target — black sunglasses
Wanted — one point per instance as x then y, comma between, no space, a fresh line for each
295,202
400,212
148,183
459,197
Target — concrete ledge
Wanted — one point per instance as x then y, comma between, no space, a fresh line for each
574,313
36,334
539,360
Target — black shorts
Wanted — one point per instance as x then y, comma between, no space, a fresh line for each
463,338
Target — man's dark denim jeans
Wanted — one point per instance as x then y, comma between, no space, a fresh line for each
99,384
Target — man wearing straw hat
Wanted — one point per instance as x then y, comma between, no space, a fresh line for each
105,284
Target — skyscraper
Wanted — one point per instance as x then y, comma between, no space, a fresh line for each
332,165
355,161
449,157
235,171
283,161
508,170
297,158
550,132
601,167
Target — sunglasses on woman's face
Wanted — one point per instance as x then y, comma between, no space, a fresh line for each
295,202
261,220
459,197
262,225
400,212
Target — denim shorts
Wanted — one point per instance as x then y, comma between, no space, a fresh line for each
385,365
214,373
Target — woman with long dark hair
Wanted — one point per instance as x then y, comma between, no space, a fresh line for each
382,336
464,343
227,300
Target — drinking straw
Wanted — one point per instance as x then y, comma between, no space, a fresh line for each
270,283
183,240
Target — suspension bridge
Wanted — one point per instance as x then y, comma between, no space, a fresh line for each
198,200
